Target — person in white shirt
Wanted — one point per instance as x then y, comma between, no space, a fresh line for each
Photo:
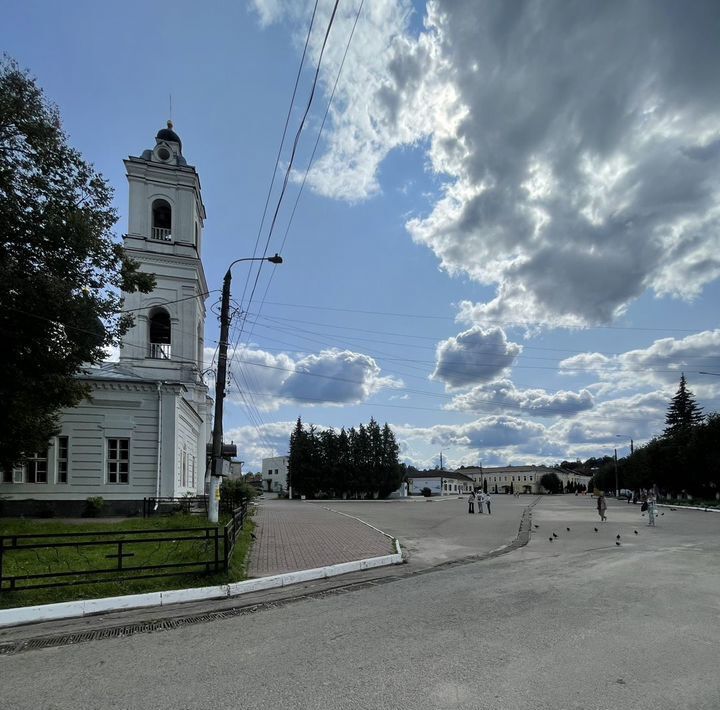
487,502
471,503
481,501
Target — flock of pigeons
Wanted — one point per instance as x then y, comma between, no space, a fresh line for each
618,537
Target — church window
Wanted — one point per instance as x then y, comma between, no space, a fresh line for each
160,334
35,468
118,460
161,220
62,459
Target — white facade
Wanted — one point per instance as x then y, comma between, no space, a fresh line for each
445,484
521,479
274,473
145,429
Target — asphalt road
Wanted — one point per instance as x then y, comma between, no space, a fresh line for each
577,623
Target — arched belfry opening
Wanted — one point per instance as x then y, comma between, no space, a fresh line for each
160,334
161,220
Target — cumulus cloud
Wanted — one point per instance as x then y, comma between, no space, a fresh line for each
580,164
658,365
537,402
475,355
335,376
331,377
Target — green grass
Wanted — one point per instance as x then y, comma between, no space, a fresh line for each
76,558
695,503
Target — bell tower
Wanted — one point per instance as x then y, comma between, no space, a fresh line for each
166,218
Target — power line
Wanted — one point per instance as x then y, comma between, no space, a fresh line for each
282,143
312,155
504,324
293,151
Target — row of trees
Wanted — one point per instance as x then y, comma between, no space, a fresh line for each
359,462
684,459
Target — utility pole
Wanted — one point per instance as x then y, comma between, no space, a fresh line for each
617,489
216,468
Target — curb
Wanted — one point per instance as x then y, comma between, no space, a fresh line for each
687,507
89,607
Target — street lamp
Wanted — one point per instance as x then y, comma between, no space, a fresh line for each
220,380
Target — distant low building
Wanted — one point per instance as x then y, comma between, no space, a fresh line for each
440,483
275,474
520,479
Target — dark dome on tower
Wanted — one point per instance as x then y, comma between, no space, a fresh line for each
167,134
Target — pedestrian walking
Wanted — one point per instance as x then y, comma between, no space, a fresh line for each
471,503
487,502
651,510
480,502
602,507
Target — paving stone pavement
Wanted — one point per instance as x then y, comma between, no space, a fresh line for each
293,536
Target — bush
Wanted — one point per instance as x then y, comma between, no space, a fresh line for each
233,493
93,506
426,492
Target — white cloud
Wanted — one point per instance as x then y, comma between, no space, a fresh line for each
503,394
658,365
475,355
331,377
581,164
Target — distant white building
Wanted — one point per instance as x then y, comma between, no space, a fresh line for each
519,479
275,474
144,431
440,483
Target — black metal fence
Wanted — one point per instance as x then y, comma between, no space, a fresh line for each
46,560
190,505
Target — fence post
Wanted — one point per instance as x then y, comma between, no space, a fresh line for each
2,548
227,549
217,550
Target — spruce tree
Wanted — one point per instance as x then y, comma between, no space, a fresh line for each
683,412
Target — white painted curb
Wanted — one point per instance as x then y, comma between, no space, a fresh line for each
87,607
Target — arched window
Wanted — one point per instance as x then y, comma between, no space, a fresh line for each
160,332
161,220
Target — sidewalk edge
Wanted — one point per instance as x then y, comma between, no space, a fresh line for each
88,607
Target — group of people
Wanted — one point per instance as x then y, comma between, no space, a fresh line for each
482,499
649,504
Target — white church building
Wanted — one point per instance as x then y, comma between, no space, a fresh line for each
144,431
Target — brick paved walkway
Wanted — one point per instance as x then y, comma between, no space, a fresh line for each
293,536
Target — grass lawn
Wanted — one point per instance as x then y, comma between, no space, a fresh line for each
104,556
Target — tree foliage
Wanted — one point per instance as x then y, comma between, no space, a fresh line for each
683,412
359,462
62,271
551,483
684,459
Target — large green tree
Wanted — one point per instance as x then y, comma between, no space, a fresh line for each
683,412
61,268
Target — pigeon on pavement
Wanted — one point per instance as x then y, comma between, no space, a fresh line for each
550,539
554,534
595,529
617,542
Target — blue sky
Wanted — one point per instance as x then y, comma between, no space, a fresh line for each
507,246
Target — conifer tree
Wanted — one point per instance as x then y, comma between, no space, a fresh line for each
683,412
